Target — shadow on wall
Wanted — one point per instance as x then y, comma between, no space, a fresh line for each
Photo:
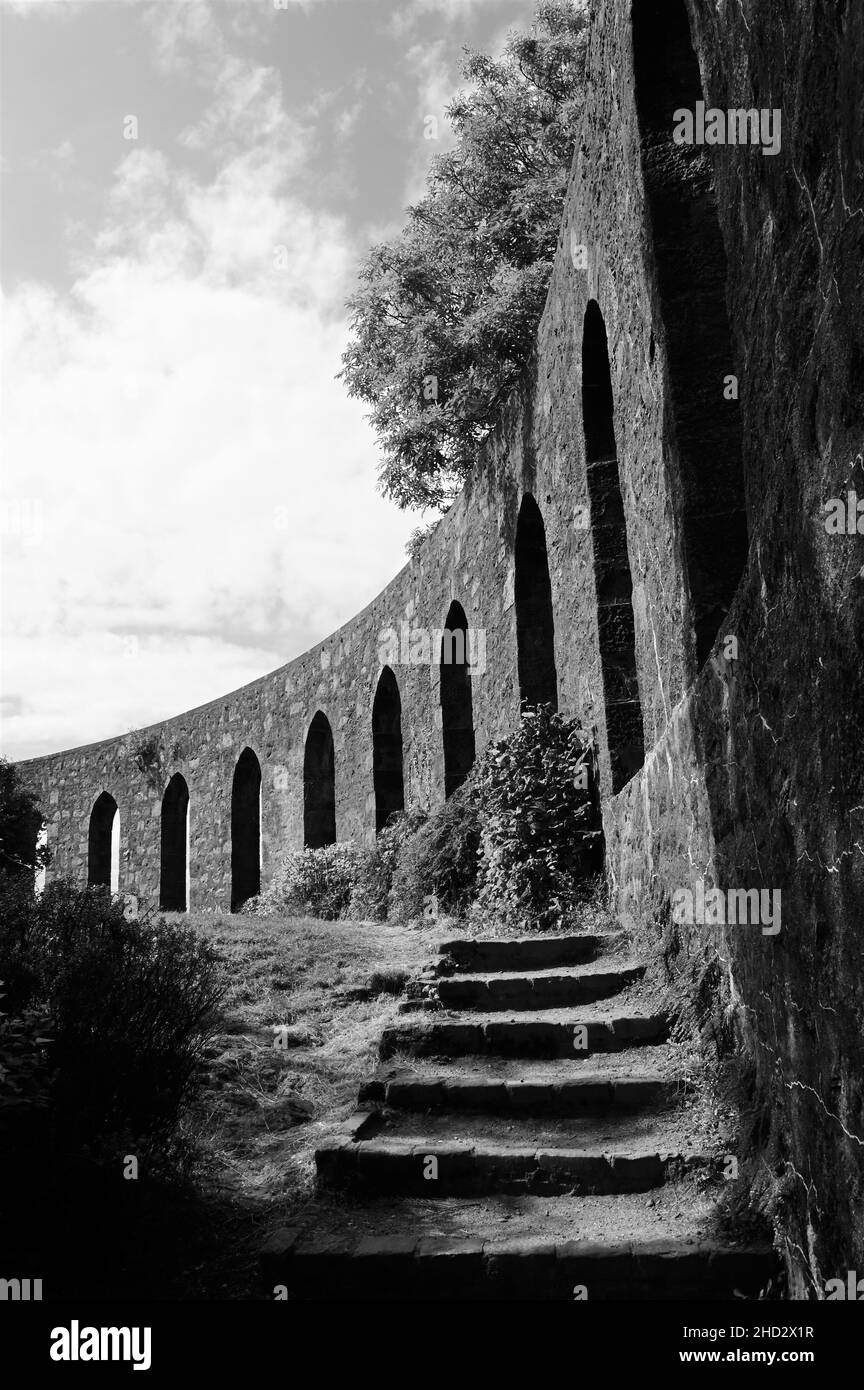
690,263
615,625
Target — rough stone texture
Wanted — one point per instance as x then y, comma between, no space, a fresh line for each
753,772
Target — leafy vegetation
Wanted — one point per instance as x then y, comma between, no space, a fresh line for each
439,860
445,315
127,1006
540,836
315,882
20,822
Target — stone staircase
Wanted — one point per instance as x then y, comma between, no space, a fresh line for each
527,1135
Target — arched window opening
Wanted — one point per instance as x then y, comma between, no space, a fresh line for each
616,630
387,773
103,848
457,714
319,785
174,877
245,830
535,627
41,868
690,261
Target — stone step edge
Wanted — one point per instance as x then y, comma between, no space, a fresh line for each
649,1256
578,948
342,1163
480,1037
409,1092
566,974
511,991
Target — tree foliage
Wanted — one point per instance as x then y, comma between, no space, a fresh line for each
20,822
445,315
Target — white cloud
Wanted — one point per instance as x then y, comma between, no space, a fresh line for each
51,7
406,16
190,496
438,81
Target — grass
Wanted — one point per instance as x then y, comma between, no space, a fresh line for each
243,1161
262,1110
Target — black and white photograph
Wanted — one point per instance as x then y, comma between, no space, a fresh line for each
431,672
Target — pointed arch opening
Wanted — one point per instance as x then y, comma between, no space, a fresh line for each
245,830
387,770
457,711
616,629
535,625
174,875
319,785
691,270
103,844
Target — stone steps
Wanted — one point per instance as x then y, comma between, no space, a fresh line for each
521,1138
524,1248
441,1155
551,989
529,1088
528,1034
524,953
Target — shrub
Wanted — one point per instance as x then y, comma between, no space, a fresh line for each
19,957
20,820
371,894
24,1072
314,882
131,1019
540,823
127,1005
440,857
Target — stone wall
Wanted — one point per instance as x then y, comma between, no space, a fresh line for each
753,770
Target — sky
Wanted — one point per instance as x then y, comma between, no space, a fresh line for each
189,495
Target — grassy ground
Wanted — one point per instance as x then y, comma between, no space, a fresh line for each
264,1109
244,1161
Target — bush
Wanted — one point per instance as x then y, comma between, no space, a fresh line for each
371,894
131,1018
440,858
540,822
20,821
24,1071
127,1005
314,882
19,953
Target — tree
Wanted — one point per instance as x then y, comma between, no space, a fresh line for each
20,822
444,320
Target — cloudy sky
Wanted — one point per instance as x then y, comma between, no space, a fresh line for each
189,496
